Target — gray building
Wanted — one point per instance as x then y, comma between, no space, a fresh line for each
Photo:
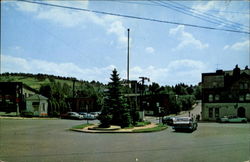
37,104
226,93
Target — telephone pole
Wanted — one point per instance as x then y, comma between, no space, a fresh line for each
128,60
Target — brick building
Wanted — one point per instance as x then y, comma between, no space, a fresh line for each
226,93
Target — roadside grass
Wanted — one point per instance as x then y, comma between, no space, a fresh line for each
8,114
159,127
138,124
141,124
81,126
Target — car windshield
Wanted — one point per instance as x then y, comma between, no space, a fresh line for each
183,119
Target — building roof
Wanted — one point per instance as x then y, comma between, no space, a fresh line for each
36,97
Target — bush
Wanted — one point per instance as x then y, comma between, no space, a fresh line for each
26,113
55,114
126,120
105,120
135,117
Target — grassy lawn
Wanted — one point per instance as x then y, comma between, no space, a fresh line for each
155,129
138,124
8,114
141,124
81,126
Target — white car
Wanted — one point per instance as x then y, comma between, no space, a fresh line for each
89,116
233,119
72,115
96,114
184,123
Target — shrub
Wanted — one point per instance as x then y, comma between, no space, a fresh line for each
26,113
105,120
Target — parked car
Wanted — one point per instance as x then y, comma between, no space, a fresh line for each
233,119
96,114
168,120
72,115
184,123
88,116
83,113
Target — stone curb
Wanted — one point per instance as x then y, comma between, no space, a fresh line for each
86,130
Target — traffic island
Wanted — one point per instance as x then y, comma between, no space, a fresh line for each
117,129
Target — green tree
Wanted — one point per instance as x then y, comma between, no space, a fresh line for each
114,104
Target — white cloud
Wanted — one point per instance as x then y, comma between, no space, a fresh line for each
18,64
203,7
226,47
220,11
64,18
150,50
187,71
16,48
186,39
119,30
27,7
73,18
238,46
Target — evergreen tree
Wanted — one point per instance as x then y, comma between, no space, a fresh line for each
114,104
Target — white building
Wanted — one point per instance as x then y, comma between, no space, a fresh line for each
37,104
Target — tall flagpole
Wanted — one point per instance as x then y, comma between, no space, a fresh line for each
128,59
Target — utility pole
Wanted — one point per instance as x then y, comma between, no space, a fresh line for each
128,60
73,95
141,113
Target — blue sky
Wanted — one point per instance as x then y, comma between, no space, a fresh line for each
88,46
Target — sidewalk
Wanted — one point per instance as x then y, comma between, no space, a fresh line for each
30,118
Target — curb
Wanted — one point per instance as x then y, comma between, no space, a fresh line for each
86,130
91,131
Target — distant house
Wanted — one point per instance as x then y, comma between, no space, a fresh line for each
17,97
226,93
37,104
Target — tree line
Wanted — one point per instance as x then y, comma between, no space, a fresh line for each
181,96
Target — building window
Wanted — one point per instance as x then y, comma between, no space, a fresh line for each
241,85
210,112
217,112
241,98
210,98
217,97
248,97
245,86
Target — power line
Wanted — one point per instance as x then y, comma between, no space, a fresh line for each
147,4
214,17
210,17
199,15
135,17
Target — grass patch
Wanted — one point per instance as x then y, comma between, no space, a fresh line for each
141,124
155,129
8,114
81,126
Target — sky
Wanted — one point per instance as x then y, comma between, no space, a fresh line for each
67,42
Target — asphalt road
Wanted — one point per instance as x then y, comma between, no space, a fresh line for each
50,140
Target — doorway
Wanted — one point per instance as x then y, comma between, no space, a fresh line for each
241,112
